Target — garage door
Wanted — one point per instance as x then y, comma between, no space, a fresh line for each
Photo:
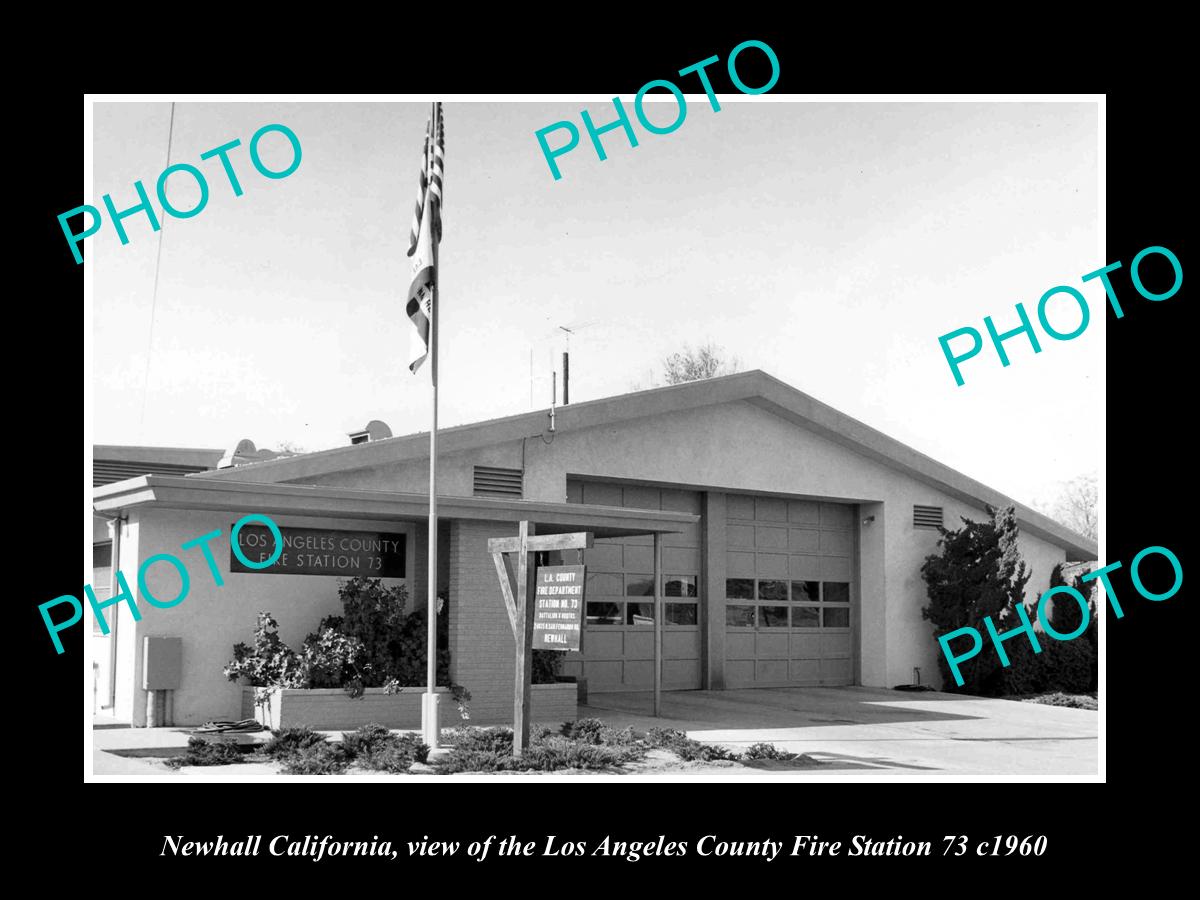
790,596
618,633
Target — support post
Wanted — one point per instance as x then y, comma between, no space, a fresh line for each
658,622
430,719
523,692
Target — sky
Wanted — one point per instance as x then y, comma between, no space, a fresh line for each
828,244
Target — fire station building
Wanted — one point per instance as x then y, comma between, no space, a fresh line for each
792,542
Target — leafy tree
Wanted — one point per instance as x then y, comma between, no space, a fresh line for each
978,572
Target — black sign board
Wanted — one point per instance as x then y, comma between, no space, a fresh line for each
320,551
558,607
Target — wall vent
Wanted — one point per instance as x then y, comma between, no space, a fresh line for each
491,481
927,517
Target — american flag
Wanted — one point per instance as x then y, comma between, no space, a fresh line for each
425,234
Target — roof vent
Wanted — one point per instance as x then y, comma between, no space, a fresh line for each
927,516
494,482
243,452
374,430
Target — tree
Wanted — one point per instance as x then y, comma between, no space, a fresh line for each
706,361
1076,504
690,364
978,572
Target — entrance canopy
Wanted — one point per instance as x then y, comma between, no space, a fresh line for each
179,492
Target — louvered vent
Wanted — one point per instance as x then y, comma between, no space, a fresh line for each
927,517
494,482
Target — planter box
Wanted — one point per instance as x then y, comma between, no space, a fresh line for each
332,709
553,704
580,687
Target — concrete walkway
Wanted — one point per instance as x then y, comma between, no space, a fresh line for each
861,733
874,729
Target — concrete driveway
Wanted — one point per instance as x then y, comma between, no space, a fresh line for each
855,728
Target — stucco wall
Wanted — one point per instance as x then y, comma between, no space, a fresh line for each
741,447
455,472
213,618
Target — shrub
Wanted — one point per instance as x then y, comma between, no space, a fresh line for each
1082,701
316,759
685,748
418,748
1069,666
978,572
594,731
546,666
374,614
587,730
287,741
474,761
491,752
396,755
483,740
201,752
269,662
766,751
366,740
331,659
552,755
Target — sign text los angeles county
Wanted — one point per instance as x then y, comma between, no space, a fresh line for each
175,562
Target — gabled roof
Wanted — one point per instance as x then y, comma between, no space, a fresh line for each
756,387
111,463
178,492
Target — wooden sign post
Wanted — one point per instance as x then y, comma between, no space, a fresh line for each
518,594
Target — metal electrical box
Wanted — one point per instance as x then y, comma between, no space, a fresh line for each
162,663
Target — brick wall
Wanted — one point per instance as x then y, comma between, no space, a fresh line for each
482,647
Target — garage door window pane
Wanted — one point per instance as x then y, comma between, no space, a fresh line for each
680,586
639,585
805,617
600,584
739,616
773,590
681,613
739,588
603,613
836,616
639,614
806,591
837,592
773,616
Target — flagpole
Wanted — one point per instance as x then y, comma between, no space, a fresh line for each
431,723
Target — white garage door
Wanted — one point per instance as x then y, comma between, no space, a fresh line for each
790,595
618,631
